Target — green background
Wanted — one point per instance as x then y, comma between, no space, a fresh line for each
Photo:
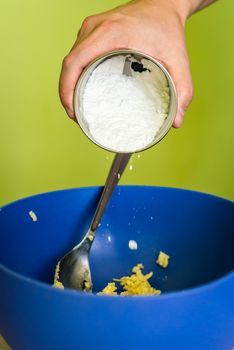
42,150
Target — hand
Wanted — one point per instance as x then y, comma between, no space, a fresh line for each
154,27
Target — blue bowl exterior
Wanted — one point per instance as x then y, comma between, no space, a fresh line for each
34,316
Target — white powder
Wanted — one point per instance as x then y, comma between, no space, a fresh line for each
132,244
125,113
32,215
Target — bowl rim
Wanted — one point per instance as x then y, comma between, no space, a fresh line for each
179,189
204,287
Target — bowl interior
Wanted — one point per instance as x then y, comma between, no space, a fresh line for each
195,229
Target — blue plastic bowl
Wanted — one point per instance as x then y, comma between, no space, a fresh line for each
195,309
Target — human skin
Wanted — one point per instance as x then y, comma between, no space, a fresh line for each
154,27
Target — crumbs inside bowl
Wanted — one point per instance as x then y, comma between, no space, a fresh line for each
135,284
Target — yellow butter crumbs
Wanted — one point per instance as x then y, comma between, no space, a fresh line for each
136,284
163,259
57,283
110,289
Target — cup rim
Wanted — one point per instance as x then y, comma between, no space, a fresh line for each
90,68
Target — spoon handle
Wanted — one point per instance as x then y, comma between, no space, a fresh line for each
119,163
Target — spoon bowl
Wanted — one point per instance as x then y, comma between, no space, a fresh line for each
73,270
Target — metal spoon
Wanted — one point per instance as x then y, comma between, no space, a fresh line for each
73,269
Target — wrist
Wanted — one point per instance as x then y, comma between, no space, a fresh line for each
186,8
182,8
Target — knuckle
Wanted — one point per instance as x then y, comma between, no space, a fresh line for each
68,59
112,25
117,16
87,21
106,25
114,28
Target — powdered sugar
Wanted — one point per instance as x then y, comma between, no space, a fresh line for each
125,113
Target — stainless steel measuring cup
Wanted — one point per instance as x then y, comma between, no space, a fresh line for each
137,56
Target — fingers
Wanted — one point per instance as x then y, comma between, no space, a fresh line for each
184,87
185,95
87,48
72,69
99,35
